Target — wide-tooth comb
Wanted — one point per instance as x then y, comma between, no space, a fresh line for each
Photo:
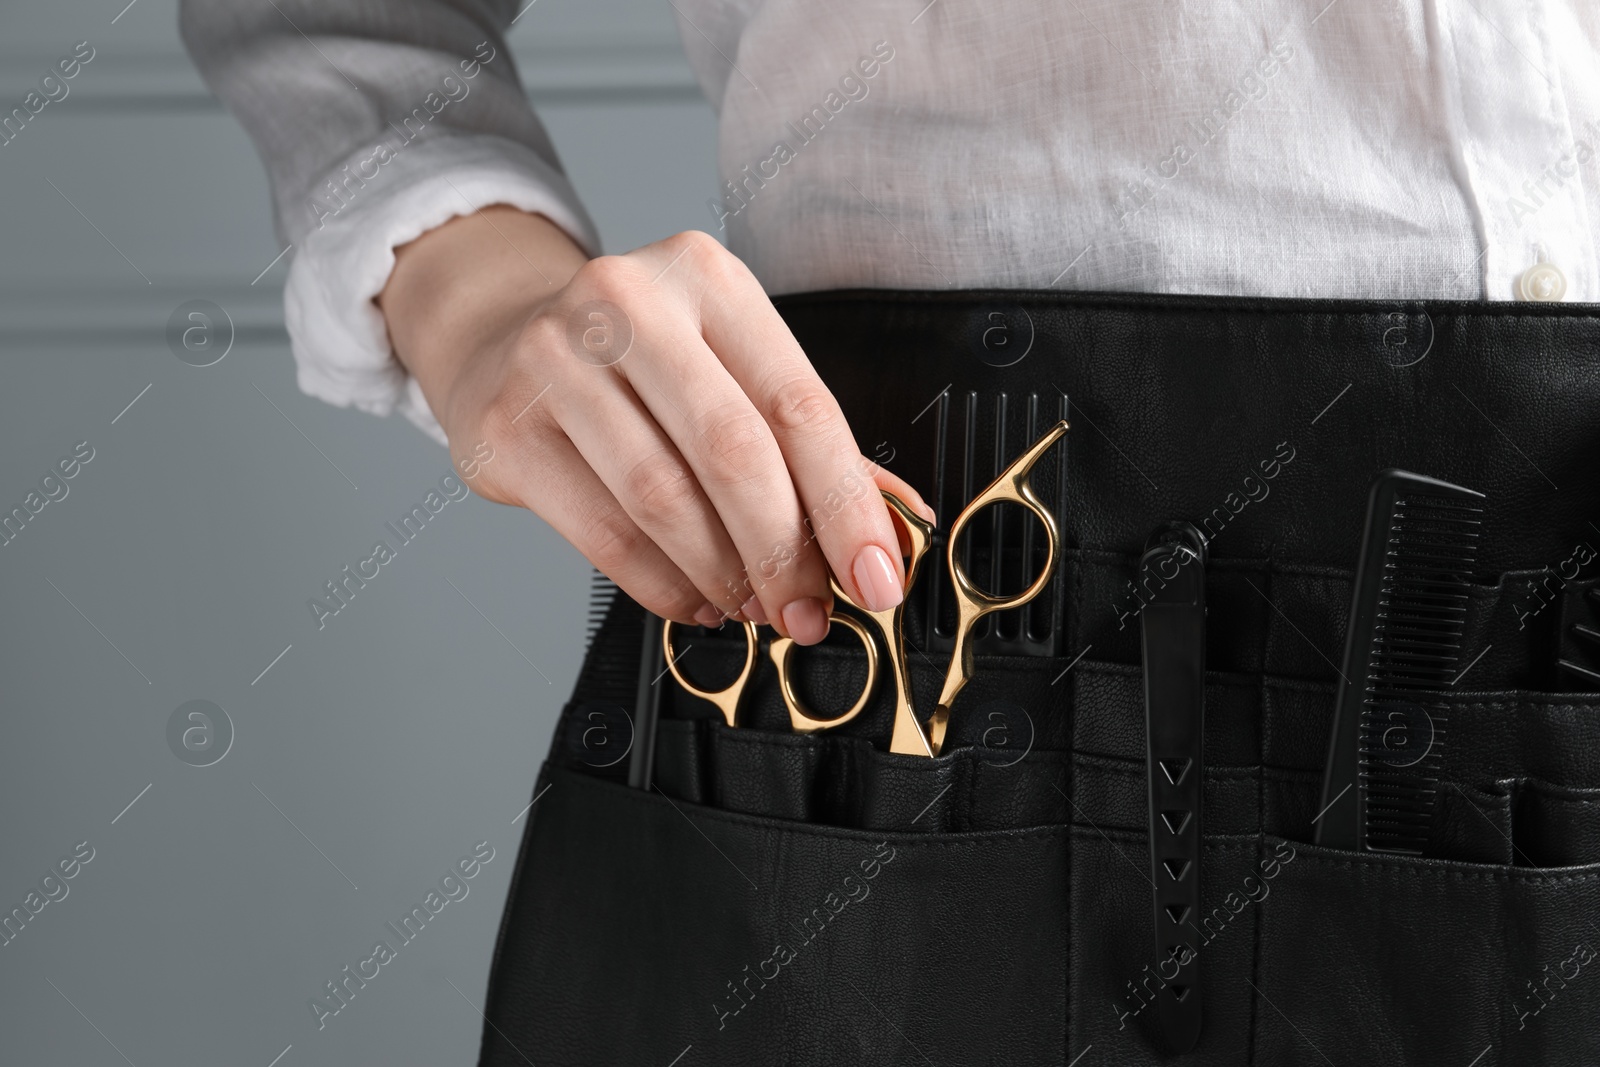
1004,548
1406,620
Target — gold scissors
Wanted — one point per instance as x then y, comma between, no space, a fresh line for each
912,734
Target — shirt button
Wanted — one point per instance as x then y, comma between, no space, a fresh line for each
1542,281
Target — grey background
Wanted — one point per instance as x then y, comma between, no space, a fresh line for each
375,752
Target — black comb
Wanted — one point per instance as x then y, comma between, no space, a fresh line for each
1406,618
602,593
599,732
610,679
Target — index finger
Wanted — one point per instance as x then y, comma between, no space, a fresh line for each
837,485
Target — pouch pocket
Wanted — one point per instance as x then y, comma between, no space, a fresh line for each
1117,973
842,781
1471,824
639,927
1402,959
1555,826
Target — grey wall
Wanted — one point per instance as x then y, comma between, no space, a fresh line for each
375,752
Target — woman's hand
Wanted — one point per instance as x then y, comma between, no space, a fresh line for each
655,410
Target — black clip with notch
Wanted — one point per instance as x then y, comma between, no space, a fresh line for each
1172,573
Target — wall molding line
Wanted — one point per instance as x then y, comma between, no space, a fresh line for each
164,79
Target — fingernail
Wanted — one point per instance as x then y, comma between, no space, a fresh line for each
708,616
876,578
805,620
752,610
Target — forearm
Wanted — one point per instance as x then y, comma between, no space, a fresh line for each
456,288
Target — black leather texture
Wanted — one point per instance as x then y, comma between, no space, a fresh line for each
817,900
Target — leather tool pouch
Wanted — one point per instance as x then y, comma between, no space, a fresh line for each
817,900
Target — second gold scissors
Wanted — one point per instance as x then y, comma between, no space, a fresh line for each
912,734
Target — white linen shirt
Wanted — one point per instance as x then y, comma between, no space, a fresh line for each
1387,149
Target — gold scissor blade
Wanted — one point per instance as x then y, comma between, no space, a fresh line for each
907,736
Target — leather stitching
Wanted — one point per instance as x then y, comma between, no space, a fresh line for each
1183,303
978,839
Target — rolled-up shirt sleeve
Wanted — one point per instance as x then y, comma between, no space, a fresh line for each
376,123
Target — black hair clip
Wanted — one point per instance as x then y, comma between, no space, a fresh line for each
1173,573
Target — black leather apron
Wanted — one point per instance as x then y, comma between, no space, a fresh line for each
815,900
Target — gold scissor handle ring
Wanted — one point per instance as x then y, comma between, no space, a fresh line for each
972,603
726,699
800,716
919,532
1014,486
982,601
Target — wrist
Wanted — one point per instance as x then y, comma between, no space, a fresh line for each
460,288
